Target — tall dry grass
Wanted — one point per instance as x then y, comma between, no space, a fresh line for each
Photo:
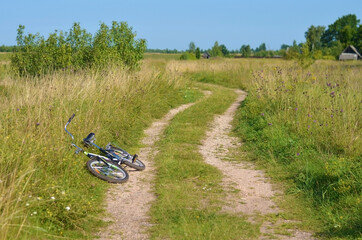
305,124
40,177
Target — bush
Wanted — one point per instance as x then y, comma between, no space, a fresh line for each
77,49
188,56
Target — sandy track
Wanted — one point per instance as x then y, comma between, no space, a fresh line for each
128,204
255,191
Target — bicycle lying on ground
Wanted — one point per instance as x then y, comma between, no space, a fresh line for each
107,166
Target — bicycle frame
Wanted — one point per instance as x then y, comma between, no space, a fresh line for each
110,156
79,149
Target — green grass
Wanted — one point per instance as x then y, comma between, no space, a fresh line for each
303,128
184,209
40,175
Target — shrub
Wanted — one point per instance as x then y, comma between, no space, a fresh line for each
77,49
188,56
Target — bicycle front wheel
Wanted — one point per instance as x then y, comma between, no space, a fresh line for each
138,164
110,173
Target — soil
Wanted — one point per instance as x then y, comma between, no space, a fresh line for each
254,192
128,204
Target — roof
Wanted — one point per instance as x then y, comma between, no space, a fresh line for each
351,50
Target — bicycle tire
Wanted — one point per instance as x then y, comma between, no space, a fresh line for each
112,173
138,164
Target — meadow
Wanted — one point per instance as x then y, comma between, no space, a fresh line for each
301,125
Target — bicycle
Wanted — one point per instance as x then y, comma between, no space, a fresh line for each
107,166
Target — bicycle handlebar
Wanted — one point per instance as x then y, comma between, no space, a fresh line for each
65,128
71,118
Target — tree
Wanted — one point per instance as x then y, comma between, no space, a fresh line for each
216,50
293,51
284,46
358,39
197,53
192,47
338,30
245,50
313,37
224,50
262,47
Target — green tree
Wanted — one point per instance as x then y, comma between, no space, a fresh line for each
262,47
284,47
338,31
192,47
358,38
293,51
224,50
313,37
216,50
346,35
197,53
245,50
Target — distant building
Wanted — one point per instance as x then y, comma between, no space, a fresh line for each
350,53
206,55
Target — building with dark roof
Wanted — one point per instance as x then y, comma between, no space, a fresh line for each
350,53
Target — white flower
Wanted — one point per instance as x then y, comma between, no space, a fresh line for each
52,198
35,213
67,208
39,198
63,192
27,204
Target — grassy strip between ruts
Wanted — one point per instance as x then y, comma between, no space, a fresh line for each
188,191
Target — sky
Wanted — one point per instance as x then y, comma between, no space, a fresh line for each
174,24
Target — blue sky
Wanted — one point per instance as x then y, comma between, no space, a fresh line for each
174,24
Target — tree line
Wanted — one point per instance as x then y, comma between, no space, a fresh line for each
320,43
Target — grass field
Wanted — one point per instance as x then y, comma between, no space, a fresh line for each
301,125
45,190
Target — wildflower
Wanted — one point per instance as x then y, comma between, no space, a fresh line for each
262,114
314,121
298,153
341,110
270,124
39,198
308,126
35,213
328,84
27,204
63,192
17,109
332,94
100,100
38,123
67,208
296,109
52,198
309,115
331,115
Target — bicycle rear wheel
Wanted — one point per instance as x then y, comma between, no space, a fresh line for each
110,173
138,164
